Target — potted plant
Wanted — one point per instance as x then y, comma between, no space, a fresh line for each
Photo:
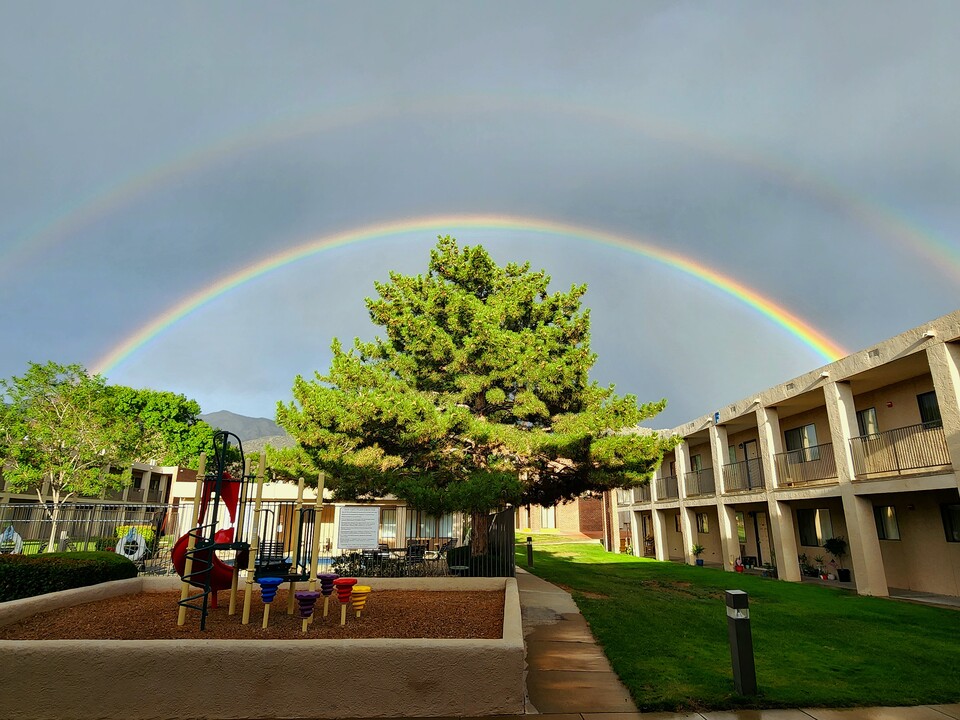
837,546
697,551
821,572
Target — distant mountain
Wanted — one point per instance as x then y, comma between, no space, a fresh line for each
275,441
246,428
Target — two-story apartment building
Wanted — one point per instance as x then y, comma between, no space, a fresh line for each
866,448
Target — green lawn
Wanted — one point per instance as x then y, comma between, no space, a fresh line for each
664,628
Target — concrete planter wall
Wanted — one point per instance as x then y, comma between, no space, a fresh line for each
82,680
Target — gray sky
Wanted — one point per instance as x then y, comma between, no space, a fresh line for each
807,151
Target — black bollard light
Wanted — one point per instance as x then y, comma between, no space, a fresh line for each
529,551
741,642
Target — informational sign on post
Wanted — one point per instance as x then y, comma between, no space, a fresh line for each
359,527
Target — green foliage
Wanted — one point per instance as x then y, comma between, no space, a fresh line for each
697,550
286,465
170,430
815,646
28,575
62,426
477,396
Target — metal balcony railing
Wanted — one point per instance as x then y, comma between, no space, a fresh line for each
667,488
700,482
809,465
745,475
908,448
642,493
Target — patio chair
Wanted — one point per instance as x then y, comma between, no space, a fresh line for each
441,552
415,556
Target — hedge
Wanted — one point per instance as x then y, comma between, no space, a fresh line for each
28,575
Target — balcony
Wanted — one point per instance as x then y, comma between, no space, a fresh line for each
700,483
741,476
642,493
913,448
668,488
807,466
624,497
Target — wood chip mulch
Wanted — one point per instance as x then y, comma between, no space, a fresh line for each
388,614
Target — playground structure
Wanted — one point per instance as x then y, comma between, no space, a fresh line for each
195,553
246,671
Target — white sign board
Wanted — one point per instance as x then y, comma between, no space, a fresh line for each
359,527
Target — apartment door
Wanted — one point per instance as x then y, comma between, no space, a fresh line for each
646,521
752,455
761,532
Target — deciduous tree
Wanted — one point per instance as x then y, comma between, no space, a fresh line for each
62,429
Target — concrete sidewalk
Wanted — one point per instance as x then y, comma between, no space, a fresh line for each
569,677
567,671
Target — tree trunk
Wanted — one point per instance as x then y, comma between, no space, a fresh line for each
52,542
480,522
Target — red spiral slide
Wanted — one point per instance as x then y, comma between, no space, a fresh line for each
218,574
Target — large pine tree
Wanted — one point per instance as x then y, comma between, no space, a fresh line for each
477,396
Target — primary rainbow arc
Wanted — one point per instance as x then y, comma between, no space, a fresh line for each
821,344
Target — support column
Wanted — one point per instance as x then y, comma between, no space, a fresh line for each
863,543
729,540
635,534
660,535
688,526
718,454
615,520
944,360
682,462
782,527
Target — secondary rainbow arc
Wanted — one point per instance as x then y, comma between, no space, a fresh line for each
943,253
819,342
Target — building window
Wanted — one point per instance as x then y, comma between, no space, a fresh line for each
929,410
802,443
388,524
732,453
677,518
814,526
423,525
703,525
741,529
696,464
548,517
867,421
951,522
886,517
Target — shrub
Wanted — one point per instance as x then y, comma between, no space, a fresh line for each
28,575
102,543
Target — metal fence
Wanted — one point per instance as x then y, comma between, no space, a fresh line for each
411,543
700,483
810,464
745,475
667,488
916,447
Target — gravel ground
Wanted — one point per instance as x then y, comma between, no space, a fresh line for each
388,614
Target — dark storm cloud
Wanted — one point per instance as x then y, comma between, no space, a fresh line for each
810,152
